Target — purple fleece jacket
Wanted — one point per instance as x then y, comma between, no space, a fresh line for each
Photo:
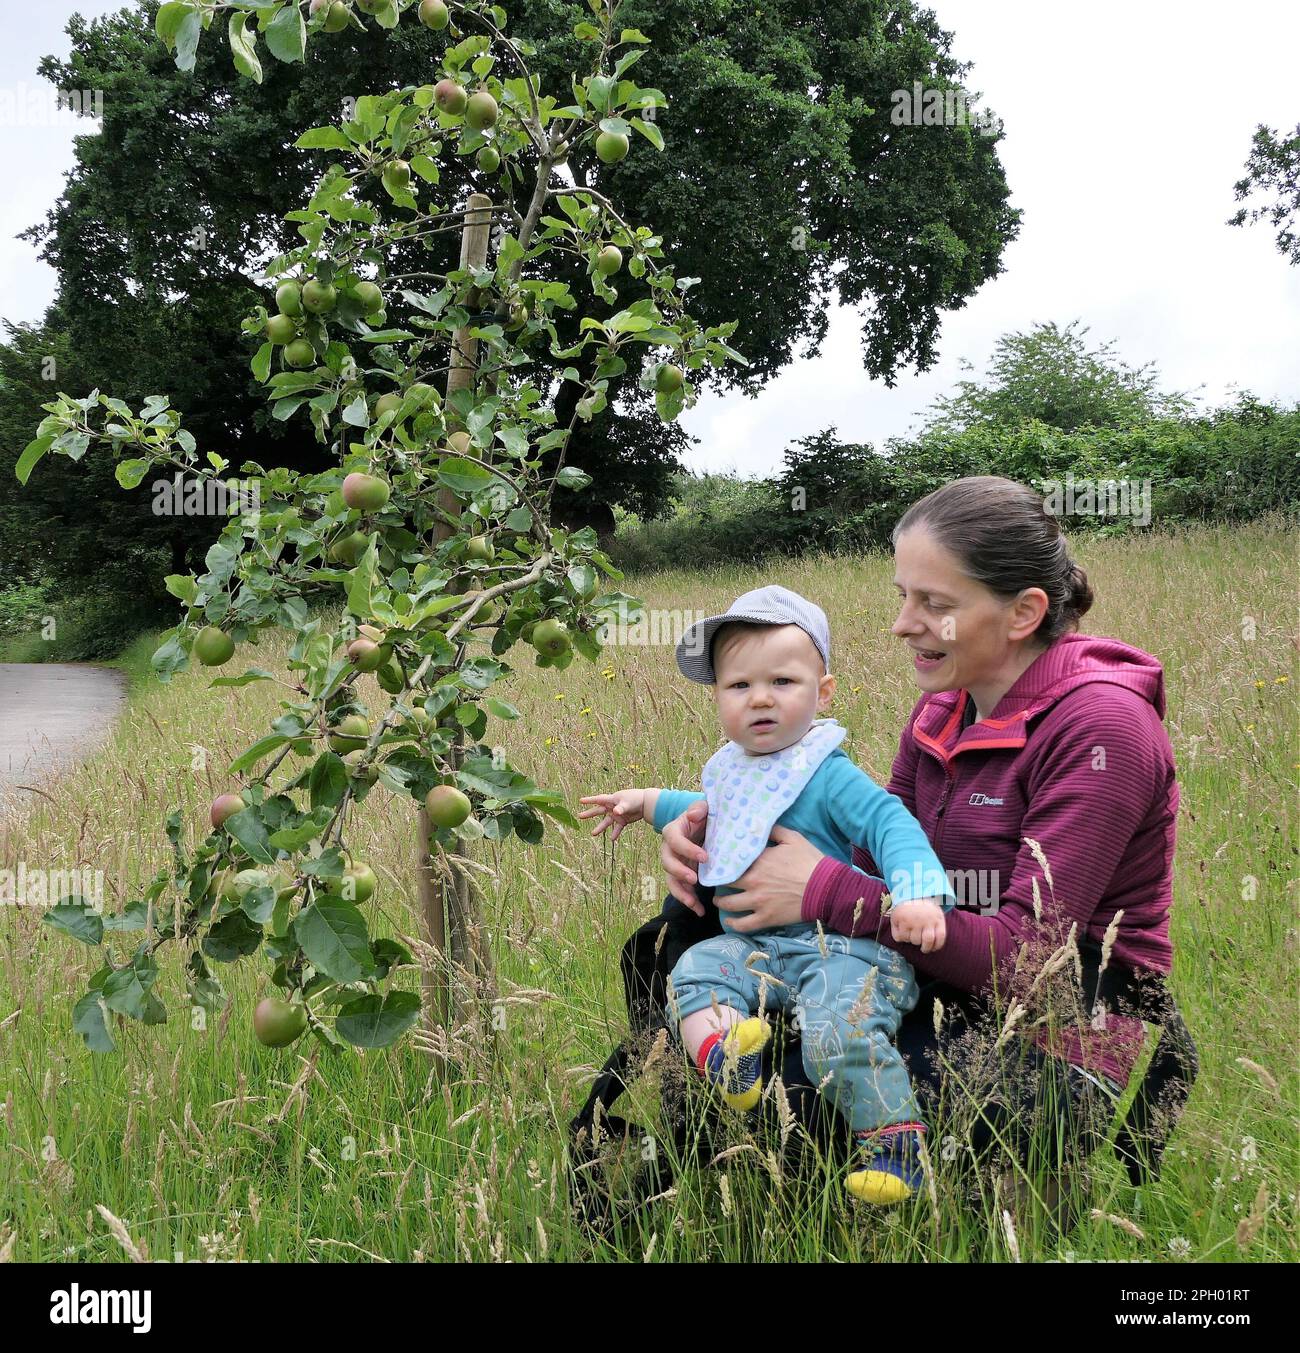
1075,758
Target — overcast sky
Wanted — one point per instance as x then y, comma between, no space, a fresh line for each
1126,126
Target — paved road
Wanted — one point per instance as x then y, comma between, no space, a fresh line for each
51,716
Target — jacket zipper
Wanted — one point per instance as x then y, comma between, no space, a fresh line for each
949,779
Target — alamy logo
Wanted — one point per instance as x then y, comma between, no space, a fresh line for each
983,800
91,1307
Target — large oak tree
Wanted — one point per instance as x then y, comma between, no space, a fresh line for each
787,187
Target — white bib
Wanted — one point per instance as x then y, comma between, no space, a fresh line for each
747,794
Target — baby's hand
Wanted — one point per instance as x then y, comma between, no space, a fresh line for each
618,810
920,921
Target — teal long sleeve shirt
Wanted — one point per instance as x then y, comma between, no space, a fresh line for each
842,806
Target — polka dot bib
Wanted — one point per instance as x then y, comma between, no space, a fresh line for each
747,794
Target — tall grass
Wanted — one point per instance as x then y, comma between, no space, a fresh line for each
203,1143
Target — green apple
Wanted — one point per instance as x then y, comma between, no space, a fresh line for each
397,176
481,111
275,1022
365,492
611,147
224,806
288,297
447,806
359,882
299,353
391,677
337,16
609,260
460,443
350,733
451,97
388,403
368,297
669,380
365,655
434,14
280,329
480,548
488,159
319,297
550,637
366,775
213,647
349,549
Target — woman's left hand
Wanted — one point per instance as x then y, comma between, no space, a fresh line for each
772,887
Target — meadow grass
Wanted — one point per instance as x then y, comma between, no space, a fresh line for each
203,1144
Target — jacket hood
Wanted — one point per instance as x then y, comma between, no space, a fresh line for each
1073,660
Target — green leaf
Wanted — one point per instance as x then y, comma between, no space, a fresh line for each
187,40
261,363
243,48
463,476
333,935
362,580
126,990
170,17
248,829
32,452
372,1022
323,138
286,35
633,35
234,936
503,709
77,919
294,838
134,916
356,414
129,473
551,802
182,586
253,674
650,132
88,1021
388,954
262,747
328,781
570,477
168,658
426,168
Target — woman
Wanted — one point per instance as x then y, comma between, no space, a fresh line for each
1037,763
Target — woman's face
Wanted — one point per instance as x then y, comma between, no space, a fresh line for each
962,635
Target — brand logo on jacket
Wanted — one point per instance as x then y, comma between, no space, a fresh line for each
985,801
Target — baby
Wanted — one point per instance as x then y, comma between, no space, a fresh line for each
767,659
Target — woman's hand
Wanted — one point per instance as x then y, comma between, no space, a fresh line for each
772,887
681,851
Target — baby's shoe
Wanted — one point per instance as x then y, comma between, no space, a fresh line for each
891,1170
733,1062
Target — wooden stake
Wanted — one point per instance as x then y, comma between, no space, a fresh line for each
450,904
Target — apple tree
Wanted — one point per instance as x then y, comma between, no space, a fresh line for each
428,521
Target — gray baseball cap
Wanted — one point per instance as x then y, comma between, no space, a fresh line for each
771,605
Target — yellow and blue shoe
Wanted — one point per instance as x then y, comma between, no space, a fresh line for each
891,1170
733,1062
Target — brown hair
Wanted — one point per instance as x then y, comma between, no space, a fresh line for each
1004,537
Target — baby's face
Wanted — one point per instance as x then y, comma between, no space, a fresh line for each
769,687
